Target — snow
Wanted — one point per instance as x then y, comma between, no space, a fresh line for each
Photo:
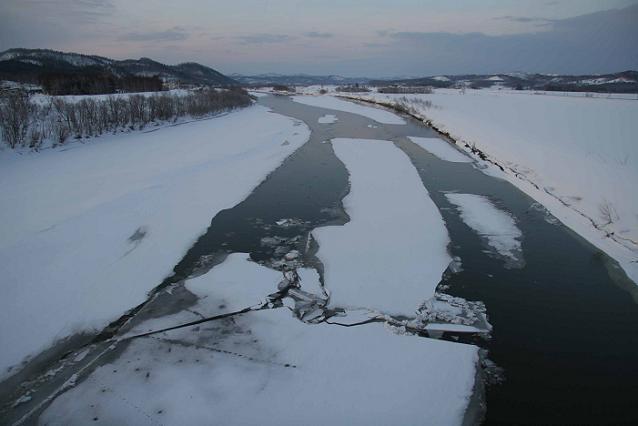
43,99
575,155
441,149
330,102
327,119
257,94
440,78
496,226
267,367
236,291
603,80
392,253
67,258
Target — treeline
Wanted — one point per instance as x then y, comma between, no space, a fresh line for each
96,83
352,88
595,88
406,89
28,124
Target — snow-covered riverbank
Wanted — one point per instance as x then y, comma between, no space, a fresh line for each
575,155
86,230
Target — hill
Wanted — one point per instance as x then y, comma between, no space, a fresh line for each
621,82
36,66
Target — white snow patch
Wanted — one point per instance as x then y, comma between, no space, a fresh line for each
496,226
258,94
327,119
67,260
330,102
392,253
441,149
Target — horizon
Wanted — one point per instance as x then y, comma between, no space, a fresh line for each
302,74
389,40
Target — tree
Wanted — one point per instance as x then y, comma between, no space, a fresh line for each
15,110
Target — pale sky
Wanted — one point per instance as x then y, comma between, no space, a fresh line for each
372,38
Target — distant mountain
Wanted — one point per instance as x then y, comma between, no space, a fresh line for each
29,65
622,82
297,80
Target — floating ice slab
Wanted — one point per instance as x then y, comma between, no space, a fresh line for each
237,283
496,226
441,149
392,253
328,119
330,102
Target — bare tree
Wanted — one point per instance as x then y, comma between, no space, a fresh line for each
607,213
15,110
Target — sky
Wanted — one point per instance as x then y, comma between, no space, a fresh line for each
366,38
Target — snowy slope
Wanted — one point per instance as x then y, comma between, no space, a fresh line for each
86,231
580,153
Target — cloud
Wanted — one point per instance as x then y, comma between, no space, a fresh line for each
172,34
526,19
594,43
82,11
264,38
315,34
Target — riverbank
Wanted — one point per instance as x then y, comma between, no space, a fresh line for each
573,155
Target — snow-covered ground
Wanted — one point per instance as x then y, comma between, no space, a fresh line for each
267,367
86,230
376,260
376,114
580,152
496,226
43,99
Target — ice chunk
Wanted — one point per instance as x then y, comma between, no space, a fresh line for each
364,266
496,226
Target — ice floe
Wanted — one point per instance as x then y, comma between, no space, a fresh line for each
327,119
497,227
392,254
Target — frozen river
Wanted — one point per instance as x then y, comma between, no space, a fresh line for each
563,341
